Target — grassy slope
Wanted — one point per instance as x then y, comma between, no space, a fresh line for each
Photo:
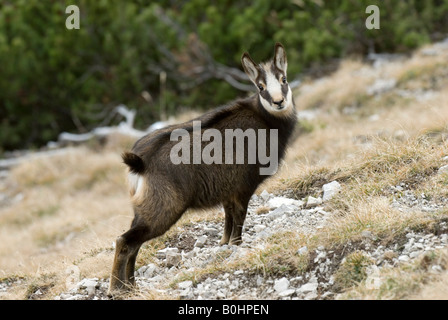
73,206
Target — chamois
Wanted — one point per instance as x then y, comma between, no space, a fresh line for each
161,191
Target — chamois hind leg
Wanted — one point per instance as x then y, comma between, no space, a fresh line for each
130,267
147,225
228,224
126,250
239,215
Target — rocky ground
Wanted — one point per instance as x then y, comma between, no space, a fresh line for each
197,247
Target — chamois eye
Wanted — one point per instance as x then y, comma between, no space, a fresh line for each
260,87
284,79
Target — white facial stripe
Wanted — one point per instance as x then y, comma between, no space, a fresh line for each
266,104
273,86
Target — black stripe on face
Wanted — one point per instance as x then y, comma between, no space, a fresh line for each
279,76
266,96
262,80
285,88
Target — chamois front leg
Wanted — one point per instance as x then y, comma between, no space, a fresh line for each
228,224
239,215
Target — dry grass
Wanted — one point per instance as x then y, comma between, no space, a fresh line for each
412,281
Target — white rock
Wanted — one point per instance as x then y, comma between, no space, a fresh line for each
200,242
311,296
173,258
287,292
89,285
373,280
188,255
185,284
313,202
302,250
265,195
148,271
381,86
84,283
330,190
320,256
161,254
278,201
280,211
186,294
437,269
443,169
259,227
222,294
281,285
211,231
308,287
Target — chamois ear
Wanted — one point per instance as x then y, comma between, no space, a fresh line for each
280,60
250,67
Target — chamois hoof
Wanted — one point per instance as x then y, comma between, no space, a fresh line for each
118,288
235,242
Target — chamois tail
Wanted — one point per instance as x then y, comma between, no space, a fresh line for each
134,162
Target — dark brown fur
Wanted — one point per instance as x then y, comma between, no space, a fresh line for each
168,190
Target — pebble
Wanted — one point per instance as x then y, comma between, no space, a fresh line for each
200,242
281,285
185,284
211,231
381,86
309,287
173,258
279,201
287,292
265,195
330,190
147,271
161,254
443,169
259,227
302,250
313,202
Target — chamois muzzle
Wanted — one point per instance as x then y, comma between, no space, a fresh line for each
279,104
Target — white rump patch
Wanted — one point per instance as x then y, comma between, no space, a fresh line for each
135,183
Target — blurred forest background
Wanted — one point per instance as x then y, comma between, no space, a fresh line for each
160,57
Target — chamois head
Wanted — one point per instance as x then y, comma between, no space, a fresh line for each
270,78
